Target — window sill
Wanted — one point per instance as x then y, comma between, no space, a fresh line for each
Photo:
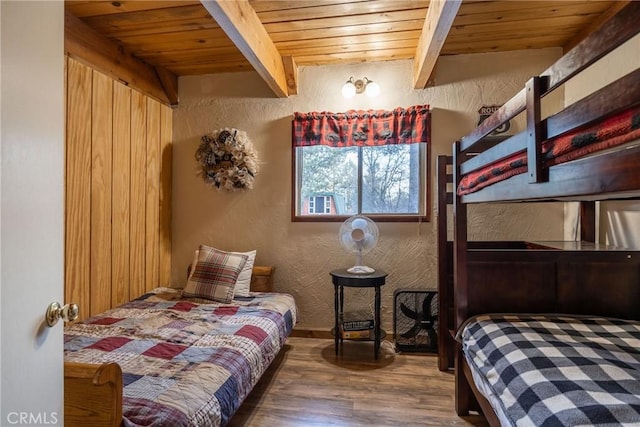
375,218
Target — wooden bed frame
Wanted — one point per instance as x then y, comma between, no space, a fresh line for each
561,277
490,256
93,393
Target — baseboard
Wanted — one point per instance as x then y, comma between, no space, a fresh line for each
312,333
321,334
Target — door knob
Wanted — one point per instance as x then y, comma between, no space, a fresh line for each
55,312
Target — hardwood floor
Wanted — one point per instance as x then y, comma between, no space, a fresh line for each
309,386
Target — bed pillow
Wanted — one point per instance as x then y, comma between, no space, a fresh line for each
243,283
215,274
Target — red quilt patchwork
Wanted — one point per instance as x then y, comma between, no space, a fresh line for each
185,363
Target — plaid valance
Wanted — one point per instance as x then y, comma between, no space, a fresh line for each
363,128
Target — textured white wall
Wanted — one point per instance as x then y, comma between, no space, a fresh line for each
619,223
304,253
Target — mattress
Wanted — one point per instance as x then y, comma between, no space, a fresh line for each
612,132
185,362
556,370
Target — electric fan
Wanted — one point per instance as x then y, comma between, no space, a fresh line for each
415,320
359,235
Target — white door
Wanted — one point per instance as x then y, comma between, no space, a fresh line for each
32,210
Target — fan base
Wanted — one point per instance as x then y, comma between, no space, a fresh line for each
360,269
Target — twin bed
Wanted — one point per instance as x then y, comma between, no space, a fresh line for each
547,333
167,360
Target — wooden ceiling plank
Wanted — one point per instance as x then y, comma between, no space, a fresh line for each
353,30
401,39
82,9
457,46
158,16
202,38
240,22
503,45
356,57
345,57
353,47
86,45
588,29
168,45
192,55
342,9
499,10
267,5
149,29
534,23
347,21
155,21
440,16
212,67
167,48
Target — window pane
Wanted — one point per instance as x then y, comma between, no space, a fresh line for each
329,172
391,179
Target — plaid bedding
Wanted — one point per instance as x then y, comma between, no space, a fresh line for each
614,131
185,363
557,370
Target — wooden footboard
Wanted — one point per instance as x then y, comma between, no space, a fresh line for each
92,395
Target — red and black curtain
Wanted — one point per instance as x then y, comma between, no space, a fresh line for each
363,128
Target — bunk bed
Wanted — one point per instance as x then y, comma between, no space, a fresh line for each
579,300
169,359
484,256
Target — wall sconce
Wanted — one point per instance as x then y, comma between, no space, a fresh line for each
369,87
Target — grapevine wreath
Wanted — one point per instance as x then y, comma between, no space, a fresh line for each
227,159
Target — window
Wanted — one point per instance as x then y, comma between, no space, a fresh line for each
319,204
384,179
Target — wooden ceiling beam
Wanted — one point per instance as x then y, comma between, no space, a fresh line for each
291,70
440,16
241,23
84,44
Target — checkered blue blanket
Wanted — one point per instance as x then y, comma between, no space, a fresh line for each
185,363
557,370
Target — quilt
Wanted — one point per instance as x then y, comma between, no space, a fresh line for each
613,131
185,362
557,370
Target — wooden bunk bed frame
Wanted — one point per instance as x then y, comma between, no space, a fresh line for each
93,392
567,278
489,253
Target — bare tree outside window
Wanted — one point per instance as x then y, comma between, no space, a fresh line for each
387,176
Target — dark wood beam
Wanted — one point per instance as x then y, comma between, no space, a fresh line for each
84,44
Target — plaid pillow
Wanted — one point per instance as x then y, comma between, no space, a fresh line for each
215,274
243,283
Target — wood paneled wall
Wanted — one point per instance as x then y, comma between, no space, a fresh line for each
118,191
